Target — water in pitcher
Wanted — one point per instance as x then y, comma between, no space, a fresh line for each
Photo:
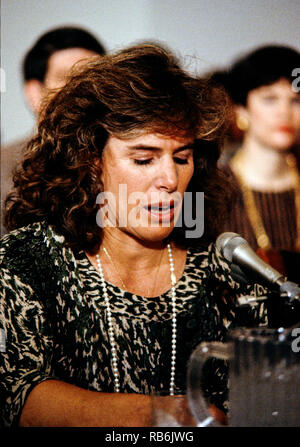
264,387
264,378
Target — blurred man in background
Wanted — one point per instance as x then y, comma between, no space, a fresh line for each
45,67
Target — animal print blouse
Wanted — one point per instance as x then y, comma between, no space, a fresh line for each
53,322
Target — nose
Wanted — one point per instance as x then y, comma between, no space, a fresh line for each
285,109
167,177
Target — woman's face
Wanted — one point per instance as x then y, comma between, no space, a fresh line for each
273,114
147,177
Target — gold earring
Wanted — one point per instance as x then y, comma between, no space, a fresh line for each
242,123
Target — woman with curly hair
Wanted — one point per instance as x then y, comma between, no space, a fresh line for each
105,287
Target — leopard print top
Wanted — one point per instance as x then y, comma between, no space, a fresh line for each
54,321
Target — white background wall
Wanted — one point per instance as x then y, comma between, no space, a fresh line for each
213,31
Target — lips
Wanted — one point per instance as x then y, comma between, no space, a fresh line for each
161,207
162,211
286,129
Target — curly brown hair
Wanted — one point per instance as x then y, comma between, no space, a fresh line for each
142,88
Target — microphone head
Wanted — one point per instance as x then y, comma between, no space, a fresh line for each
227,242
236,250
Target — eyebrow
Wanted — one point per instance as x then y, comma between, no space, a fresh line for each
144,147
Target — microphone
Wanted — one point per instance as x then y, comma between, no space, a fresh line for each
246,263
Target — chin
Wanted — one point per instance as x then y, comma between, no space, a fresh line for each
283,148
284,143
153,234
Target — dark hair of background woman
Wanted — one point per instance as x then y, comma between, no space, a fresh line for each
261,67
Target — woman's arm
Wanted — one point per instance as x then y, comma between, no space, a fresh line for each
53,403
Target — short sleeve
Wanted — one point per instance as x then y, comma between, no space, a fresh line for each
27,345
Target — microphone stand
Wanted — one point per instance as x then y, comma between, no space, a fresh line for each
283,311
282,302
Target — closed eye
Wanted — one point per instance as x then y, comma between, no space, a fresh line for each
143,162
181,161
148,161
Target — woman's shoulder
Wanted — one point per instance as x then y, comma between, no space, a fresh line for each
209,259
29,244
207,254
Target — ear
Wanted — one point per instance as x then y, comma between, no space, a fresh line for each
33,91
241,118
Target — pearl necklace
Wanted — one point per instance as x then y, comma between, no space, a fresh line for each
111,330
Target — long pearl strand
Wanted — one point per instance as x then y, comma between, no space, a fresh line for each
111,330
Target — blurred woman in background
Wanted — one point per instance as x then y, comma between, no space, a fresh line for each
263,89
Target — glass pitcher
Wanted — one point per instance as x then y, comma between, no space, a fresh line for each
264,378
